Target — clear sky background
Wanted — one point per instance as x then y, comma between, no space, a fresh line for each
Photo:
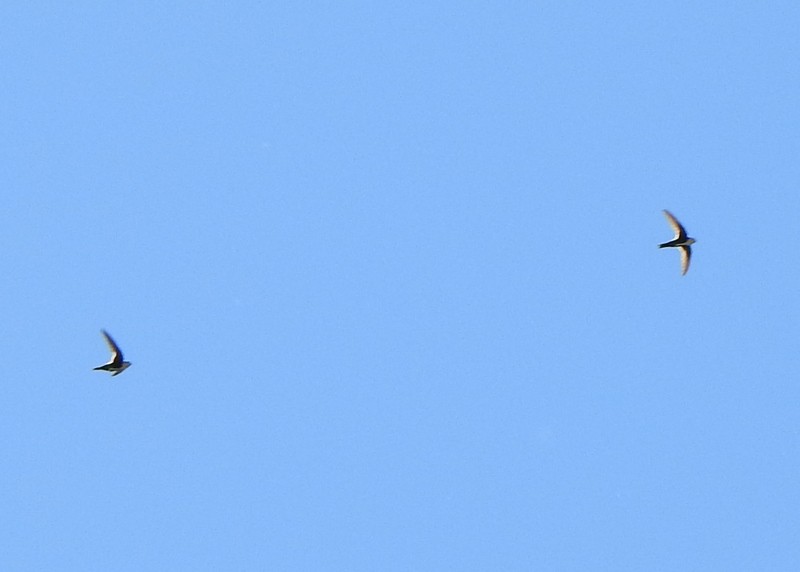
388,277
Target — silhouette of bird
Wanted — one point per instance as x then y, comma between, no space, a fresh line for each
117,364
681,240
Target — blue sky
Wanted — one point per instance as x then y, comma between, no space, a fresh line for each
388,277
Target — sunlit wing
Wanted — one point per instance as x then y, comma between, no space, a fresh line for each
112,345
680,232
686,258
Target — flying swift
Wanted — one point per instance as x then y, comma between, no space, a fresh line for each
681,240
117,364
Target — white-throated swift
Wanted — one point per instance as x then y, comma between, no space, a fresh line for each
117,364
681,240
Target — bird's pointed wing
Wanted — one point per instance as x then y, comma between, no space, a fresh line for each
686,258
116,353
680,232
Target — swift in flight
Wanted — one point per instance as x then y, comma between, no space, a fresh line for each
681,240
117,364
